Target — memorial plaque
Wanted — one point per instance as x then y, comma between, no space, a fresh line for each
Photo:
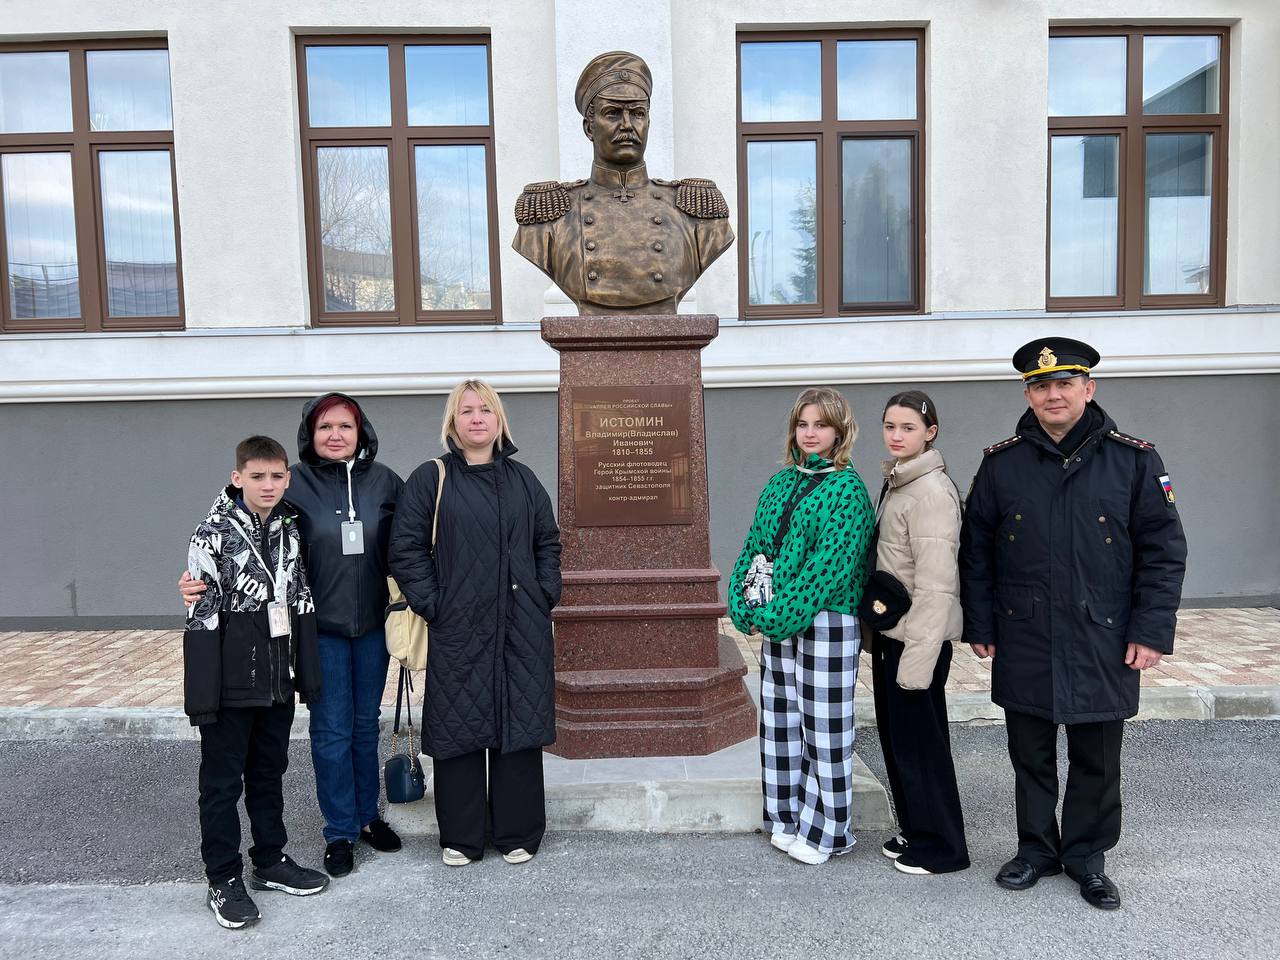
631,455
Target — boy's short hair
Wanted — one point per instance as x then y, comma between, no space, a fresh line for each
259,448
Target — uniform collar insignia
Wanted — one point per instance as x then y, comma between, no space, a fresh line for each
609,177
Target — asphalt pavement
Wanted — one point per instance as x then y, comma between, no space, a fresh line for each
98,859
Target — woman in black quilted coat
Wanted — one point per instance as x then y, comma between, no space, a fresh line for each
487,591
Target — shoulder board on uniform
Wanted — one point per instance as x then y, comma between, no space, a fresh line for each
698,198
1002,445
1131,441
544,202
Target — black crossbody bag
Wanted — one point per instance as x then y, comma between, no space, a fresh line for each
885,600
403,774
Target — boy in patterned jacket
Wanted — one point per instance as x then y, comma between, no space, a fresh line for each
249,645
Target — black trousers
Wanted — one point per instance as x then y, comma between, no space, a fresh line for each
1091,803
916,740
245,749
514,801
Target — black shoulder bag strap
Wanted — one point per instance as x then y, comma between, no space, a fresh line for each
407,698
869,563
784,522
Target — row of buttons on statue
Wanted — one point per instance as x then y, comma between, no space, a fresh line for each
593,275
589,219
657,245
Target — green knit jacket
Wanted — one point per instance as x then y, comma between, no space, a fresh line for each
821,563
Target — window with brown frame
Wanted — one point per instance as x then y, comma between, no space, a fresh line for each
397,158
830,161
88,218
1137,167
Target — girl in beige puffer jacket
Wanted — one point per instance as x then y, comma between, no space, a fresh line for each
919,535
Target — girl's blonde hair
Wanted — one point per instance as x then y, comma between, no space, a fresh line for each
836,412
489,397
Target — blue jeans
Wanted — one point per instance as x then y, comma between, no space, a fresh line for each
344,732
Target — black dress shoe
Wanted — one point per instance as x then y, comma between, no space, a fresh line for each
339,858
1018,874
1097,890
380,836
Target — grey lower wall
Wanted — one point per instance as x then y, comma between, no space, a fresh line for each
97,500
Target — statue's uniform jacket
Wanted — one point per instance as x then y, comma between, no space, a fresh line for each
620,242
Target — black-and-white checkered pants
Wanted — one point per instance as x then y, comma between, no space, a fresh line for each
806,732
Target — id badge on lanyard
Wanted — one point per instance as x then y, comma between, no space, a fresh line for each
278,619
278,609
352,537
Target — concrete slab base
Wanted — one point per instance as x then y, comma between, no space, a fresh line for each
719,793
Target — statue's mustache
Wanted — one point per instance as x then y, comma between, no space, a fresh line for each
625,138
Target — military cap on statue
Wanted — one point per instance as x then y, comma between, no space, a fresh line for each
1054,358
623,74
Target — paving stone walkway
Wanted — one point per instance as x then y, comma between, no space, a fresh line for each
143,668
1213,647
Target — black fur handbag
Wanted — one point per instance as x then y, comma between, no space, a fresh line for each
885,601
403,771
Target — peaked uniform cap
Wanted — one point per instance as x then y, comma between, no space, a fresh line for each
615,68
1054,358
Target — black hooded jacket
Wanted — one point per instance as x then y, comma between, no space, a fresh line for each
350,590
1068,553
487,595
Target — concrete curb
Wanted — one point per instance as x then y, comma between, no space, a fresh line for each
169,723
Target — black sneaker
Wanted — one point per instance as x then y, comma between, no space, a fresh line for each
288,877
339,858
894,847
380,836
231,904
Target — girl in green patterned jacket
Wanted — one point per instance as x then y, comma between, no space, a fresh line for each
798,582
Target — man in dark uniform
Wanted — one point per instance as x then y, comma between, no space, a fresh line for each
621,242
1071,564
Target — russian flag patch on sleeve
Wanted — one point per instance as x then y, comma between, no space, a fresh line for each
1167,486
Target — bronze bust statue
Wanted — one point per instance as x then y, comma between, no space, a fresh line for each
621,242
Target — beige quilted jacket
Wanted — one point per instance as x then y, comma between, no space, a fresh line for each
919,538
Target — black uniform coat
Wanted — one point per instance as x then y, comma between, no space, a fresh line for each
487,596
350,590
1066,556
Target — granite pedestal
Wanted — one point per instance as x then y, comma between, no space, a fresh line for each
641,669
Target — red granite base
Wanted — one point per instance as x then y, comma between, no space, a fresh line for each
688,711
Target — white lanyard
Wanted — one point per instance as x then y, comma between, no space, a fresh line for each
280,585
351,506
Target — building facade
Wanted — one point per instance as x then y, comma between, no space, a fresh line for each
210,212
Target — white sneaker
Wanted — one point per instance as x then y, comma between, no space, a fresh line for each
804,853
782,841
455,858
911,868
518,855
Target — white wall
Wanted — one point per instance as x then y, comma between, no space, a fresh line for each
240,198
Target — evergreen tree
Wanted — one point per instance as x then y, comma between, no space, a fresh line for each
804,218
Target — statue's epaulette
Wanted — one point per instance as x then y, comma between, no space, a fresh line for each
544,202
699,198
1002,445
1119,437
